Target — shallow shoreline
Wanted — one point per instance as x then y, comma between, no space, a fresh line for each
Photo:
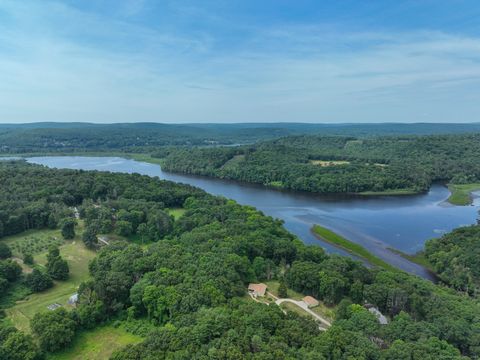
355,249
461,194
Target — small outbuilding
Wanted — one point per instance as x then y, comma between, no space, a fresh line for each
310,301
257,289
54,306
73,299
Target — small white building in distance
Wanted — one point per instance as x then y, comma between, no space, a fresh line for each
257,289
310,301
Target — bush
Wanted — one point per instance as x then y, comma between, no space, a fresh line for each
68,228
89,237
5,251
28,259
54,329
57,267
38,281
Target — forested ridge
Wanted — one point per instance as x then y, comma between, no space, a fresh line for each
146,137
187,283
337,164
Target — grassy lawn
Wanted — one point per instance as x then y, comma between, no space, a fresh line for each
294,308
273,288
390,192
78,257
275,184
33,241
99,344
177,212
322,310
353,248
325,311
327,163
461,194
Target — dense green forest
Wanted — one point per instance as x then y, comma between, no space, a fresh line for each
456,258
182,282
143,137
339,164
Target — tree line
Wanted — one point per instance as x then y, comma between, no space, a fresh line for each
455,257
189,280
339,164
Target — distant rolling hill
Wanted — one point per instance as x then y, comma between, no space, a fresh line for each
53,137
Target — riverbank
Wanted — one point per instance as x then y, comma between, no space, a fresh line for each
461,194
390,192
418,258
349,246
133,156
301,210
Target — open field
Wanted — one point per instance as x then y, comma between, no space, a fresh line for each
353,248
97,344
177,212
461,194
390,192
33,241
325,163
78,257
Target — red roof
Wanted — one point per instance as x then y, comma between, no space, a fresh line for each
258,288
309,300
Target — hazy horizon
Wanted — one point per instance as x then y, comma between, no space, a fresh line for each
179,62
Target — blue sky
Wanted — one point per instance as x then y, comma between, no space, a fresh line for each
240,61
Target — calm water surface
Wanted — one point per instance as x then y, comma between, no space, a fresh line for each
377,223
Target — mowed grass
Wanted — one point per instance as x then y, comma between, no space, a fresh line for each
461,194
33,241
177,212
78,257
326,163
273,285
353,248
392,192
99,344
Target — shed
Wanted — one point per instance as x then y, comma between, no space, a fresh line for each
73,299
310,301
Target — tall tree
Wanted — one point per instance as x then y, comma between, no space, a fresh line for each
68,228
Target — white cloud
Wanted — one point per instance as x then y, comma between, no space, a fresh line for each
62,64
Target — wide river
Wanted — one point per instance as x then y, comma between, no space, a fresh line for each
377,223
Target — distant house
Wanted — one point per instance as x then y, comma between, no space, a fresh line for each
257,289
310,301
382,319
